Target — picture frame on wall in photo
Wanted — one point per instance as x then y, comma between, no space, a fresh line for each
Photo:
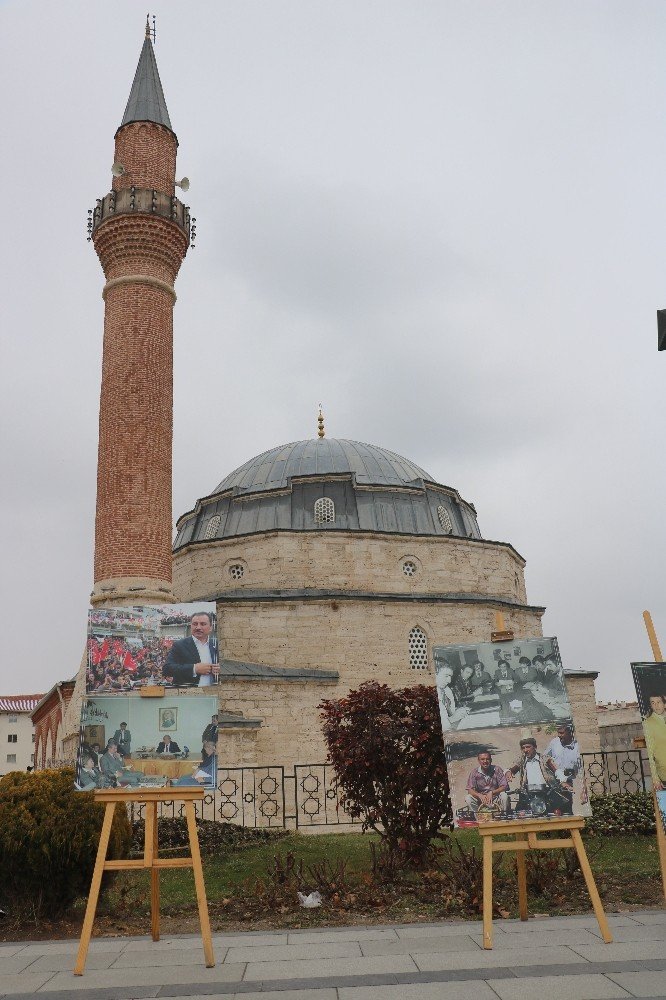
168,722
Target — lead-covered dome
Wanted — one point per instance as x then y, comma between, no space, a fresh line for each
327,484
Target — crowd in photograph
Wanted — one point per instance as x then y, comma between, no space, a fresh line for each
115,664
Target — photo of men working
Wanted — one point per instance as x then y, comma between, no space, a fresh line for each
516,775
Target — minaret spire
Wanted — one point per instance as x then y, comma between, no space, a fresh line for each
141,233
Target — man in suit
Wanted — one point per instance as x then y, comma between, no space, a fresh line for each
194,661
167,745
90,776
123,740
113,767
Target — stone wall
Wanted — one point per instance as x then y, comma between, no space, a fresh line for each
345,560
580,688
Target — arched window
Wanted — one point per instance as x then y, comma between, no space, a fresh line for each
418,649
324,511
212,527
444,518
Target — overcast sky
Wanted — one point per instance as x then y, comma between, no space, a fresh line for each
444,220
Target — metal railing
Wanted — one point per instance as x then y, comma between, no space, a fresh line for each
304,796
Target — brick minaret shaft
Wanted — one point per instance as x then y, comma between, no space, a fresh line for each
141,234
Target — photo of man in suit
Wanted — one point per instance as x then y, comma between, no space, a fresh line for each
167,745
193,661
123,740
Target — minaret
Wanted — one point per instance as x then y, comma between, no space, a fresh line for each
141,233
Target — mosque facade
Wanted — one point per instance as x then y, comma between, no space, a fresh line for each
331,562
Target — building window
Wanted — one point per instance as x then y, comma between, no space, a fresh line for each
33,737
409,568
11,758
32,758
212,527
324,511
418,649
12,718
236,571
12,738
444,519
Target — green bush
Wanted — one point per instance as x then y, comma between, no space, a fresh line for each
630,813
49,835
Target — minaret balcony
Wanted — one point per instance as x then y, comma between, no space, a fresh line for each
144,201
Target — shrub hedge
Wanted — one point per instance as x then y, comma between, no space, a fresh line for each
630,813
49,835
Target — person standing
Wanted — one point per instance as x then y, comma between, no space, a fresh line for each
123,740
193,661
654,727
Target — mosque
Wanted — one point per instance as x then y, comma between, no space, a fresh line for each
331,561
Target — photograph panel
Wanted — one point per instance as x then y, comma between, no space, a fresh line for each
171,645
515,773
500,684
124,743
650,681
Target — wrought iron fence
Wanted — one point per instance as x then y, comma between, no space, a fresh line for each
307,795
612,772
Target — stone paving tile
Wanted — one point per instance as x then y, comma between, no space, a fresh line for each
7,950
308,969
104,947
650,917
25,982
329,993
621,952
125,993
344,934
592,987
420,991
497,958
641,984
15,963
651,932
295,952
174,957
64,963
246,940
422,946
441,930
544,923
157,976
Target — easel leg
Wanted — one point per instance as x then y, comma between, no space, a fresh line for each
487,892
93,896
661,843
591,886
151,831
522,883
199,885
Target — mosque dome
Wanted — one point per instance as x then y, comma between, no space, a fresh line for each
328,484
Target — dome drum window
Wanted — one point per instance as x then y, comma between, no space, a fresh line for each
444,518
409,567
236,571
212,527
418,649
324,511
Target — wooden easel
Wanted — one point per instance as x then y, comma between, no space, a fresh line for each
150,797
529,830
661,833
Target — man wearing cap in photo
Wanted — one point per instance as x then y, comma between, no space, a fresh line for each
487,785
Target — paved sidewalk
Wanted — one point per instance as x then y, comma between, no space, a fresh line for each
554,958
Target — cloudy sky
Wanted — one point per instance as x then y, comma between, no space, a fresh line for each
443,219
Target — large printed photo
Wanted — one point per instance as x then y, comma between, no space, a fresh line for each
516,773
650,681
132,742
174,645
500,684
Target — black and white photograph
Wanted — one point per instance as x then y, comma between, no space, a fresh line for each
173,645
500,684
516,773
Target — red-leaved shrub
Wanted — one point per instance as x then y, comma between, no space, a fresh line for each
388,753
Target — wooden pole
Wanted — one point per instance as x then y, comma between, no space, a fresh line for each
199,884
652,636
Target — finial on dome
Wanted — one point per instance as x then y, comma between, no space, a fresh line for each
320,424
150,32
